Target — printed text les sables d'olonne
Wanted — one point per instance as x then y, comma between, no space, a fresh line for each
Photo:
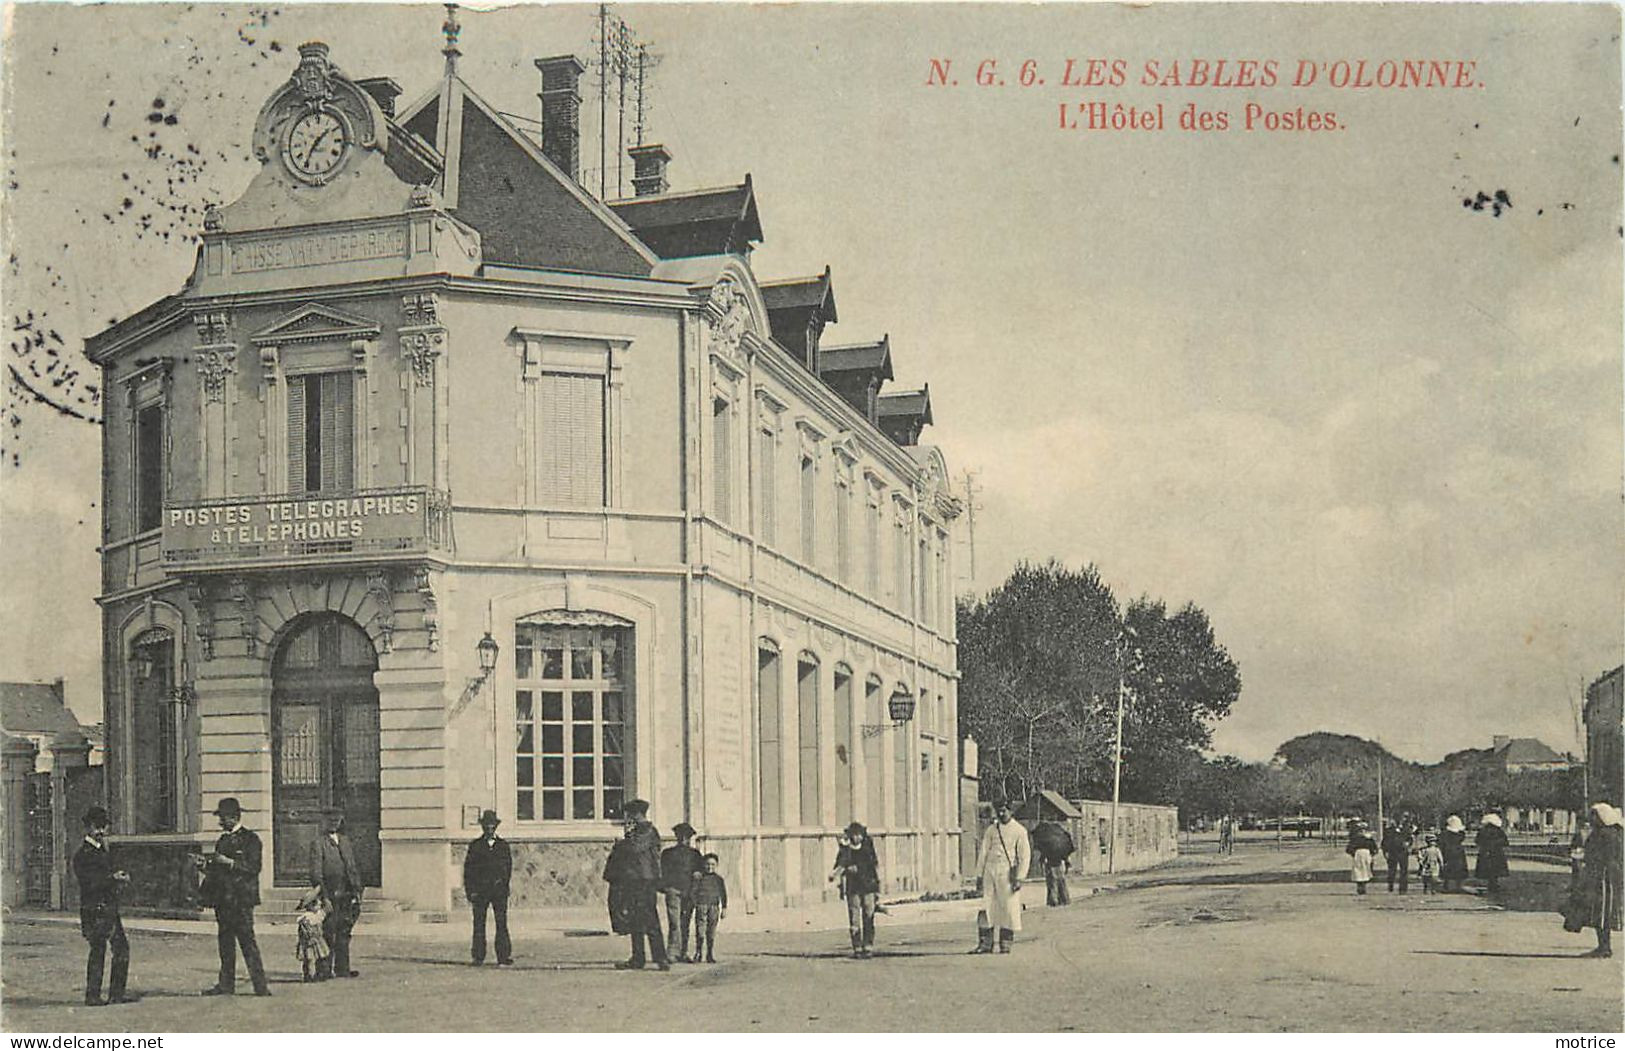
1265,87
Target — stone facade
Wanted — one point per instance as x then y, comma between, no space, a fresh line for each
386,421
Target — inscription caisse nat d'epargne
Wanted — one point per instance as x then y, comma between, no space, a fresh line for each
317,249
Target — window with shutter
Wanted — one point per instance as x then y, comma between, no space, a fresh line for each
809,510
722,459
570,440
767,486
149,467
321,432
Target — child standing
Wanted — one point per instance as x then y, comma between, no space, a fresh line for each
710,893
1430,863
312,947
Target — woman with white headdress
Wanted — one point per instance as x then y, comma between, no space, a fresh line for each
1453,845
1595,898
1492,852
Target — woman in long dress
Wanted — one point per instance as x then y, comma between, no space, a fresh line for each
1595,898
1002,860
1492,852
1361,850
1452,844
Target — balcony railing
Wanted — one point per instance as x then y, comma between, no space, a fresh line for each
364,525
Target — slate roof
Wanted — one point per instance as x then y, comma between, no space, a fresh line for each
857,357
34,708
907,403
694,222
1527,750
801,293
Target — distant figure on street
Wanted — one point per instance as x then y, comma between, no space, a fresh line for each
633,873
487,871
857,867
311,948
710,895
1227,835
1453,845
1361,850
1002,861
1430,862
1491,866
1595,899
1054,846
1396,850
99,920
679,864
231,884
333,869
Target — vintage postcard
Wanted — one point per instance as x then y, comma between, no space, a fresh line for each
779,518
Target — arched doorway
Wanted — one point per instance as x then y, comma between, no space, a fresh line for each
324,734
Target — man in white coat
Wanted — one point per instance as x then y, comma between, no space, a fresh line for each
1002,861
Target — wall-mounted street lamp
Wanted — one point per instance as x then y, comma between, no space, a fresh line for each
488,651
142,663
901,709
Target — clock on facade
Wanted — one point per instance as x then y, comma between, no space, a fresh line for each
316,146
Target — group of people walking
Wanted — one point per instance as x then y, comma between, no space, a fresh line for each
1441,857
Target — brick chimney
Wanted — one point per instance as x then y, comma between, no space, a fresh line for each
1499,741
561,112
649,168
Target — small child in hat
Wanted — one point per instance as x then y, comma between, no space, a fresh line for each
1430,862
312,947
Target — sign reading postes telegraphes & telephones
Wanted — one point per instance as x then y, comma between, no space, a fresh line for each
268,529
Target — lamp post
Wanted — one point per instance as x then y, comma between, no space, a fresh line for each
1117,753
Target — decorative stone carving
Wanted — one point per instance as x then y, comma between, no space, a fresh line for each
213,222
431,608
203,612
424,196
422,337
244,598
421,308
383,596
214,364
216,356
727,317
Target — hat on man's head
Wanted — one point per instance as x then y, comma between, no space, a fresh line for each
489,819
332,811
96,817
856,828
228,807
682,829
636,807
1002,803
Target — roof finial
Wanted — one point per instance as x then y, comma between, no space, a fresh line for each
451,28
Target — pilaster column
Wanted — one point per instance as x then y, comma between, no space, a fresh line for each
16,764
70,752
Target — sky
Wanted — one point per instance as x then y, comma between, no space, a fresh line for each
1284,375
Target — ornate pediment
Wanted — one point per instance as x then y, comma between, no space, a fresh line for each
727,319
317,122
317,323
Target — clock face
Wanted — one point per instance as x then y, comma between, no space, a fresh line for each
316,145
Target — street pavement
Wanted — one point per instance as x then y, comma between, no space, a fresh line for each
1270,939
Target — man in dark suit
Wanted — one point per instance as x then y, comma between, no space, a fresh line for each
333,868
633,874
231,883
99,919
486,872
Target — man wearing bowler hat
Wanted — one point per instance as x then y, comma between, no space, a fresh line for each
99,918
231,883
486,872
633,874
333,868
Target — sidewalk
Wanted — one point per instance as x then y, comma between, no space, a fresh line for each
592,921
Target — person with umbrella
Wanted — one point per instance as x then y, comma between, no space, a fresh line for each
1054,845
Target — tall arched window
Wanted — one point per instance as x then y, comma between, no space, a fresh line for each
807,669
843,744
769,735
572,717
155,721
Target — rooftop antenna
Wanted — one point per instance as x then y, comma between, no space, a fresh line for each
451,28
646,61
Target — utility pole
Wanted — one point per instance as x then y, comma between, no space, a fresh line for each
1379,793
603,100
1117,756
971,507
